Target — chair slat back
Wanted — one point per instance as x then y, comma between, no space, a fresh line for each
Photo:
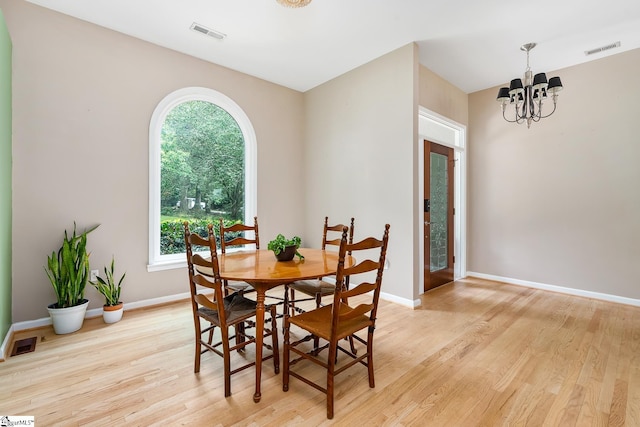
239,240
195,242
327,240
342,294
337,229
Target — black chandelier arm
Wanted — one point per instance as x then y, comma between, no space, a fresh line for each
532,106
504,108
552,111
519,119
528,109
521,114
505,117
536,119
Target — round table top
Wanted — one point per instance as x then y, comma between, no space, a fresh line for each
262,266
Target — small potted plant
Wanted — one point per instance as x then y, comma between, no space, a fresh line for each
285,249
68,272
113,307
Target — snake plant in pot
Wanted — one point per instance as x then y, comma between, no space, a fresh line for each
68,271
110,290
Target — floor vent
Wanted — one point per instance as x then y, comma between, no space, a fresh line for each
26,345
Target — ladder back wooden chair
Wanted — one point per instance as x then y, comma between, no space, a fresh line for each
210,305
237,233
339,320
317,288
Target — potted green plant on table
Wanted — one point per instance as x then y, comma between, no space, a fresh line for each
68,272
110,290
285,249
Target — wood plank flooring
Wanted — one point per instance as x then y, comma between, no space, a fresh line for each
477,353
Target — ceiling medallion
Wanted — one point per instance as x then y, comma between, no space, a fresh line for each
294,3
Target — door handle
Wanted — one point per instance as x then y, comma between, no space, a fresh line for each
427,223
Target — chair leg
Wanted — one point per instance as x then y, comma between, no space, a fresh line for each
316,340
227,362
240,331
196,363
353,346
372,382
292,302
285,356
286,298
210,340
285,307
331,364
274,340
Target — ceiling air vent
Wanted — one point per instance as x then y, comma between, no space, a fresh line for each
207,31
602,48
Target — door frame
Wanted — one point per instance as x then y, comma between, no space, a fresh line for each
446,275
444,131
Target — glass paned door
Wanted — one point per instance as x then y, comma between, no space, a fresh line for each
438,215
439,208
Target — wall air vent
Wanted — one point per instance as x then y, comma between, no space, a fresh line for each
602,48
207,31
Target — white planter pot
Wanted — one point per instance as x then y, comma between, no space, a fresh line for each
112,313
67,320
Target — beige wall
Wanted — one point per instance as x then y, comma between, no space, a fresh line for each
440,96
83,98
559,204
360,158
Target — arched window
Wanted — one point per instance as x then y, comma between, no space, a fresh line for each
202,166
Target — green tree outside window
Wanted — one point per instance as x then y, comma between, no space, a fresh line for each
202,169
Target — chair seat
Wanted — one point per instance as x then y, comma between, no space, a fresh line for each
240,287
313,287
236,308
318,322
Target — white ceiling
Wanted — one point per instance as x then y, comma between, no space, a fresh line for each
472,44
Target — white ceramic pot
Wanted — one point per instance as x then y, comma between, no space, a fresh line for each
112,313
67,320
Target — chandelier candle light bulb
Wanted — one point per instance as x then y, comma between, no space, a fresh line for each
527,99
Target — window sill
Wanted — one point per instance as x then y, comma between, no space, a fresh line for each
166,265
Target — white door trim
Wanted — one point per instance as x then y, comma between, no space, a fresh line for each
444,131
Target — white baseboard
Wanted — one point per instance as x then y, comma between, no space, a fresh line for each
156,301
402,301
560,289
95,312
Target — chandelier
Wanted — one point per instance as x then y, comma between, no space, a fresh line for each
294,3
527,99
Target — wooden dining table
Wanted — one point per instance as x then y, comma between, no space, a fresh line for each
260,269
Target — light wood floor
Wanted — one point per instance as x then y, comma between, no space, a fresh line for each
477,353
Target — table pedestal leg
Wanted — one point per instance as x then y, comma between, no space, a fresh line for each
259,338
